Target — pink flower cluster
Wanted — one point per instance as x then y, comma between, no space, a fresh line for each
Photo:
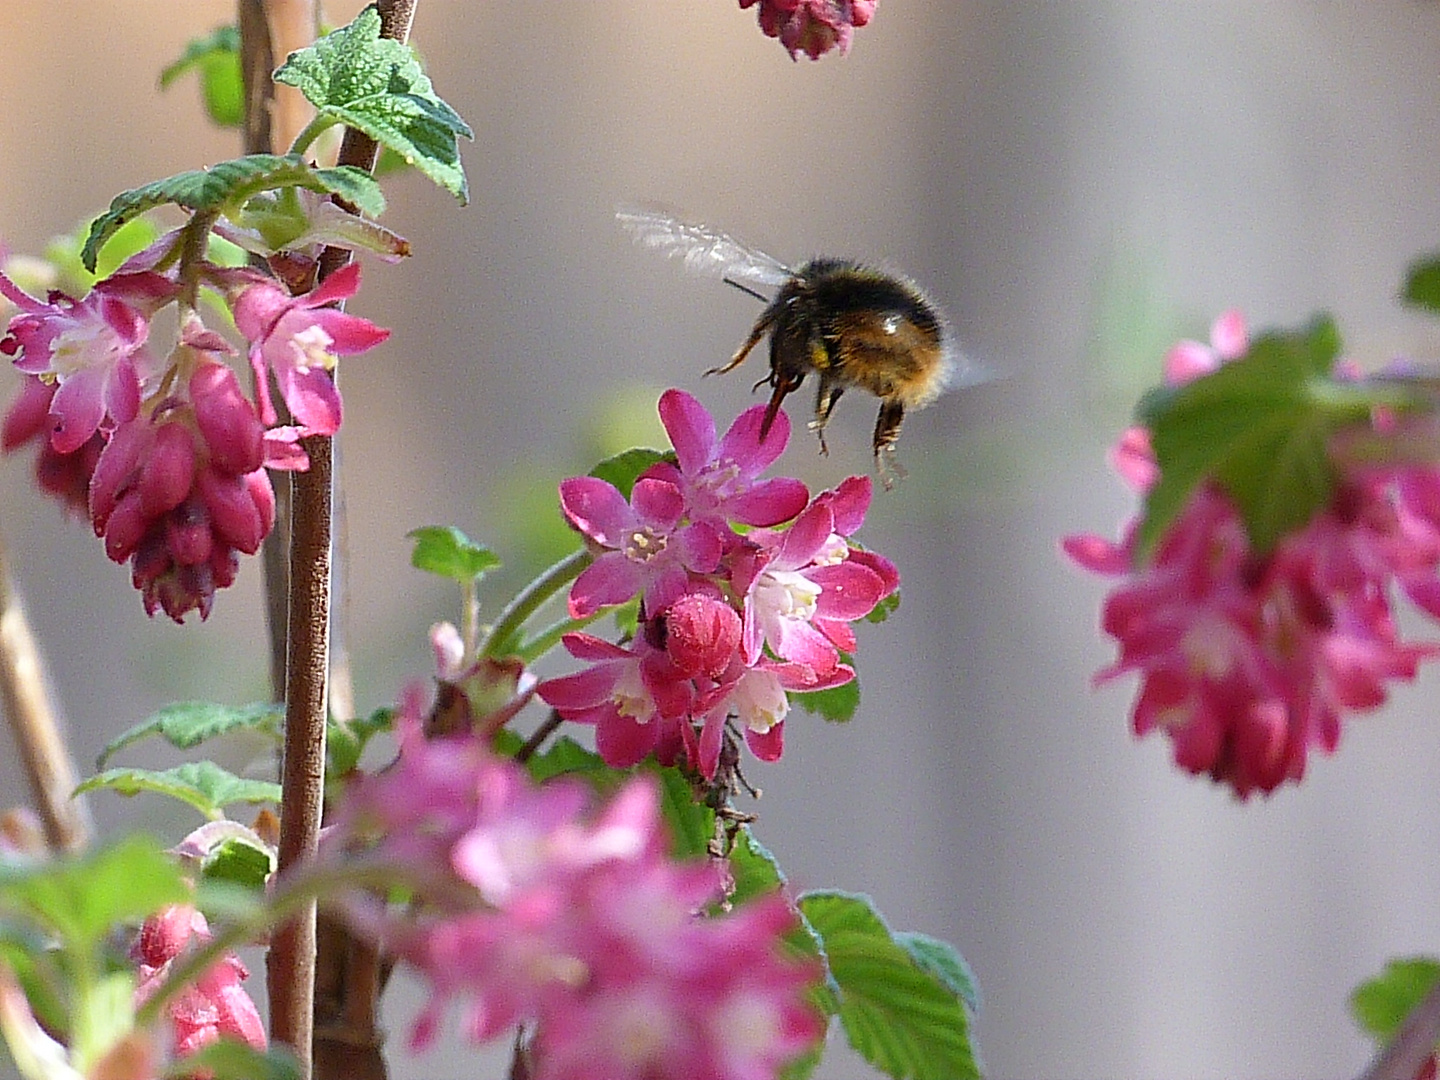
215,1005
1248,663
168,458
813,27
729,622
572,922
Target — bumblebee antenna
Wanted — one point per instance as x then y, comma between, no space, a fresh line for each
746,289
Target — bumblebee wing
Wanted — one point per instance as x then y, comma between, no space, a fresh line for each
703,249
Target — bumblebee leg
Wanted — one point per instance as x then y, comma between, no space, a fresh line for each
887,433
825,399
783,386
762,327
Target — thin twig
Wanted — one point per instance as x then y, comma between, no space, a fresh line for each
26,702
538,737
291,963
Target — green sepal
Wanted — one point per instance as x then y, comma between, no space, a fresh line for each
227,185
202,784
217,60
355,77
446,551
901,1017
238,861
187,724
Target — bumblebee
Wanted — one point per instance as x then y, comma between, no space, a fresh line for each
851,324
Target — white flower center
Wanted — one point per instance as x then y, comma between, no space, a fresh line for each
642,545
631,697
759,701
787,594
311,349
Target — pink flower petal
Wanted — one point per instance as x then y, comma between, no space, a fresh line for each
690,427
597,509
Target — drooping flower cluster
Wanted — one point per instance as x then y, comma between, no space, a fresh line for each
729,621
216,1004
536,910
1248,663
813,27
167,457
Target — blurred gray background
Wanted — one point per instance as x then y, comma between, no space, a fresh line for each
1078,183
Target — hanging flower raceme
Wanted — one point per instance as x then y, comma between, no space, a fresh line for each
534,908
730,620
216,1005
1249,662
180,490
812,27
168,458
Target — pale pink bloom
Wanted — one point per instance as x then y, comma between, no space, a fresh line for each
94,350
801,583
633,696
644,549
299,338
720,479
532,907
756,696
65,476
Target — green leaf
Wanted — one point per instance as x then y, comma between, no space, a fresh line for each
1259,427
753,867
448,552
624,469
227,185
31,957
899,1016
104,1015
566,757
376,85
345,741
230,1059
82,900
187,724
217,59
803,1066
1381,1004
202,784
944,961
1422,284
837,704
63,253
691,824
